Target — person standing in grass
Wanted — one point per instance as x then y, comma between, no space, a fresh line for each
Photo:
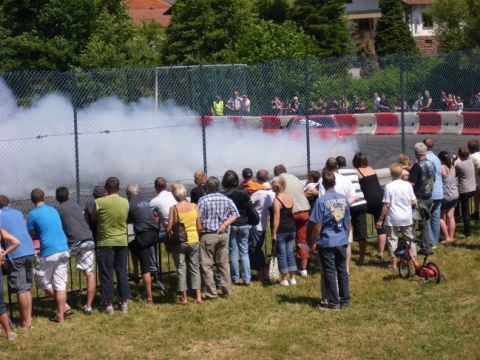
397,214
145,226
187,255
14,243
295,188
331,219
466,187
80,239
110,215
283,232
44,223
217,213
450,200
22,259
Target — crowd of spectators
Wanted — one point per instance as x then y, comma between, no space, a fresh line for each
217,234
423,102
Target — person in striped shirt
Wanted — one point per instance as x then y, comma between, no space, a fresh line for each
358,208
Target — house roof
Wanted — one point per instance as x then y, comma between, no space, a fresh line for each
417,2
150,10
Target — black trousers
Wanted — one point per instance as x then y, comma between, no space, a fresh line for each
113,259
464,200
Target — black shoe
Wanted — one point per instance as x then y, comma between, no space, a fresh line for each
425,252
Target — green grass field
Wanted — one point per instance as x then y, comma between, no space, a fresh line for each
389,318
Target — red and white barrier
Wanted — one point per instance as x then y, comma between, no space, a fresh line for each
387,124
471,123
430,123
346,125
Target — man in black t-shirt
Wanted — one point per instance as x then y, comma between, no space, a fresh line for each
422,177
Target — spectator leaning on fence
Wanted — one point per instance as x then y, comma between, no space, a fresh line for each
80,241
331,218
474,148
437,193
111,215
466,187
217,213
21,259
200,179
187,255
422,177
397,215
13,243
301,207
145,226
44,223
239,230
262,201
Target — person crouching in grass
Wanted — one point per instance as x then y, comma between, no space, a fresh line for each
331,219
397,214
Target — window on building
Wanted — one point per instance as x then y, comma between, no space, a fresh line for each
427,21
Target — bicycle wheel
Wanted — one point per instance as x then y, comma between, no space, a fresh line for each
404,268
438,275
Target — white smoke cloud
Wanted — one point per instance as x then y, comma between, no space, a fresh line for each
136,143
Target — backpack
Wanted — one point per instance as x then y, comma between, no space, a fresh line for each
428,178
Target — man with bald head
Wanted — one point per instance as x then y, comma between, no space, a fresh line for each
437,194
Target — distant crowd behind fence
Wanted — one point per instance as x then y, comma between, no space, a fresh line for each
319,87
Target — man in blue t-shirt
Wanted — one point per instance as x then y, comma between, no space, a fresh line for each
21,259
52,273
331,219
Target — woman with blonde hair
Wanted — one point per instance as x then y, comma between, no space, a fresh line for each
406,163
283,232
187,254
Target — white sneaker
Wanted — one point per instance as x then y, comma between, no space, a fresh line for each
304,273
11,336
284,282
293,282
124,307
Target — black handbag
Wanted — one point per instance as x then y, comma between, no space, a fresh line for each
178,233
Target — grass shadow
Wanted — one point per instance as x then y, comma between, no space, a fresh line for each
468,246
305,300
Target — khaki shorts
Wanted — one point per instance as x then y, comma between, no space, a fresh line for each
52,271
394,233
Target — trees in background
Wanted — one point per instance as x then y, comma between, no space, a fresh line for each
458,24
392,33
324,20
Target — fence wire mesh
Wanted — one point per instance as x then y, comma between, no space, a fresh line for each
78,127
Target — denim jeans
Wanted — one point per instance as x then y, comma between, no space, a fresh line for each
286,252
334,265
113,259
238,248
435,221
257,256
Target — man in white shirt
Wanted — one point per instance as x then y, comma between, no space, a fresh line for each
161,205
397,213
262,201
474,148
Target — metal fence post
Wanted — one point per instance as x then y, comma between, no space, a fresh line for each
200,110
402,100
306,110
74,97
